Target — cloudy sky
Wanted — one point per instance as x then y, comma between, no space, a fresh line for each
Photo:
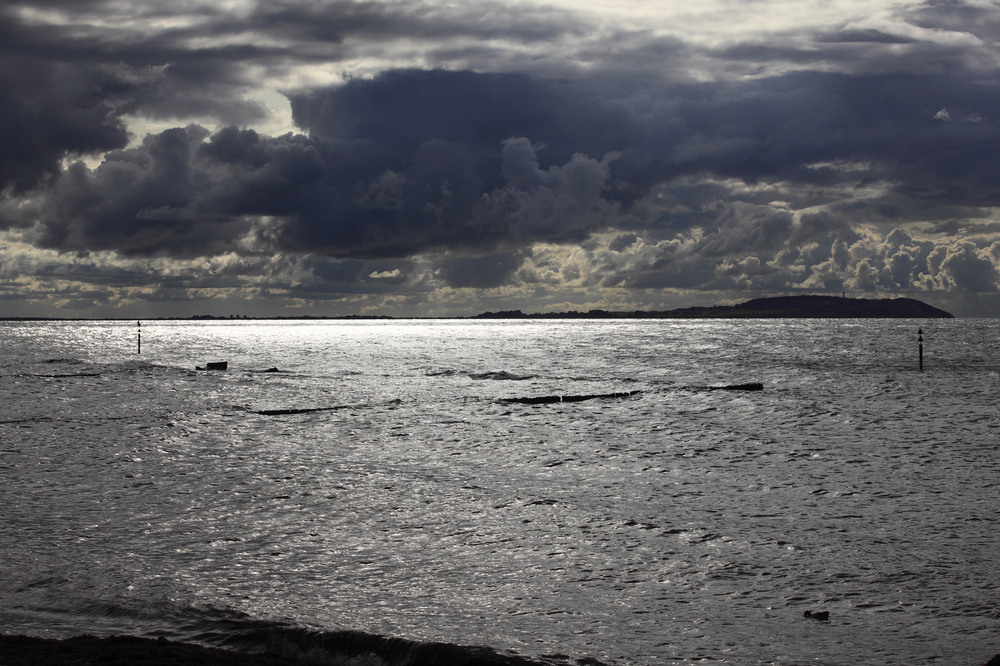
421,157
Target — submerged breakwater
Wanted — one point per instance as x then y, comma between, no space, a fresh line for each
439,484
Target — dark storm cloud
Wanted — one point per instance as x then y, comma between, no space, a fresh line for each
861,36
48,111
744,229
142,201
403,109
64,89
483,272
163,75
353,276
980,21
308,22
411,161
794,129
417,160
65,84
622,241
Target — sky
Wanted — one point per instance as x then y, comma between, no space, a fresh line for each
429,158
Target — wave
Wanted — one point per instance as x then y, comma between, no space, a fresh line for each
498,375
549,399
27,419
65,375
69,368
285,411
302,410
752,386
441,373
501,375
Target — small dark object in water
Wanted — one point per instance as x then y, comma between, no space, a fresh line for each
272,370
822,616
215,365
754,386
283,412
549,399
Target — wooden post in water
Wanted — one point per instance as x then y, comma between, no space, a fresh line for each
138,338
920,346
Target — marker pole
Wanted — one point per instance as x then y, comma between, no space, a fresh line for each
138,338
920,347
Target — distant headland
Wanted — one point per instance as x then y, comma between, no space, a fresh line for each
777,307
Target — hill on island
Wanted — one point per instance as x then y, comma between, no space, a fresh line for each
777,307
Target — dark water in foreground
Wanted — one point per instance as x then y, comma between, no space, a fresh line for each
380,483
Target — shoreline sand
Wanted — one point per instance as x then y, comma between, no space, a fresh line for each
122,651
136,651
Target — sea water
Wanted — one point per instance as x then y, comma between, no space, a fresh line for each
382,481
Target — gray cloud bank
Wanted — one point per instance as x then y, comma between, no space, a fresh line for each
860,174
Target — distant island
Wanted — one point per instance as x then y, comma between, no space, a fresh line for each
777,307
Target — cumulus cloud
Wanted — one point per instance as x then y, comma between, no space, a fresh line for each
561,202
144,200
867,263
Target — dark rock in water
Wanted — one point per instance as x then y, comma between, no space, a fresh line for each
753,386
822,616
305,410
214,365
272,370
995,661
549,399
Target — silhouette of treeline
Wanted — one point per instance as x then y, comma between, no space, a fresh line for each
778,307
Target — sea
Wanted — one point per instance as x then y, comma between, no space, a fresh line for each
564,492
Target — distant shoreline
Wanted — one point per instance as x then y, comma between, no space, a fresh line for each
777,307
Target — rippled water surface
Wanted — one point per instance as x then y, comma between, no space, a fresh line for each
380,482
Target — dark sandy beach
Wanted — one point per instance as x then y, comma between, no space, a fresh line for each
121,651
135,651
